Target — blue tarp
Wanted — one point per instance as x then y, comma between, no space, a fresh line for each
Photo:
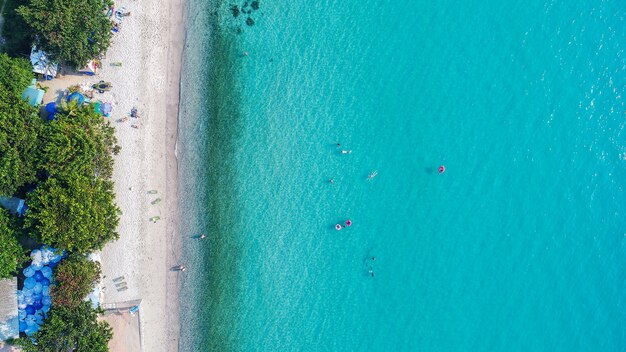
14,205
32,94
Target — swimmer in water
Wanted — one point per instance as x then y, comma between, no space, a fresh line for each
202,236
331,181
372,175
371,272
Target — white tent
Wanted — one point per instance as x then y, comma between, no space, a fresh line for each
42,64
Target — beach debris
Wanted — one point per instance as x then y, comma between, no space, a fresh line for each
156,201
152,191
154,219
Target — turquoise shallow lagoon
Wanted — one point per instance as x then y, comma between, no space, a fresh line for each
519,246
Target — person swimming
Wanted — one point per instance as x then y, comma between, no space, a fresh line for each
372,175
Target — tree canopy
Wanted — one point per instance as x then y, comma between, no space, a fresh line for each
19,127
74,279
77,214
15,74
72,31
11,253
79,142
71,329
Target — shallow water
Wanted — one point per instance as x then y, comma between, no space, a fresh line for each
517,246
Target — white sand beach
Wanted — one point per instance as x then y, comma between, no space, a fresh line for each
149,47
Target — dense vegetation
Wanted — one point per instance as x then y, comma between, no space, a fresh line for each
19,127
11,253
63,168
74,279
71,329
71,31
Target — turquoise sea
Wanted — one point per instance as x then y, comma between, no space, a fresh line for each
519,246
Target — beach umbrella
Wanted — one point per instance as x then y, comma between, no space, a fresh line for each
106,109
35,255
29,271
22,305
22,326
20,295
21,314
39,317
30,319
38,275
45,291
45,282
46,300
29,300
79,98
37,288
30,309
38,305
31,329
47,272
27,291
45,308
37,265
30,283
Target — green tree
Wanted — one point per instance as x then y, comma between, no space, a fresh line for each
77,214
15,74
79,142
72,31
19,146
71,329
19,127
74,279
11,253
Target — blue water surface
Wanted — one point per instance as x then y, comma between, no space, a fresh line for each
518,246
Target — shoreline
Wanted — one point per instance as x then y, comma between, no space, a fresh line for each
174,243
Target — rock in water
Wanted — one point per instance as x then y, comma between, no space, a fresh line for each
255,5
250,21
235,10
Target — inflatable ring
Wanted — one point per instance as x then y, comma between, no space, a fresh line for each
338,227
348,222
